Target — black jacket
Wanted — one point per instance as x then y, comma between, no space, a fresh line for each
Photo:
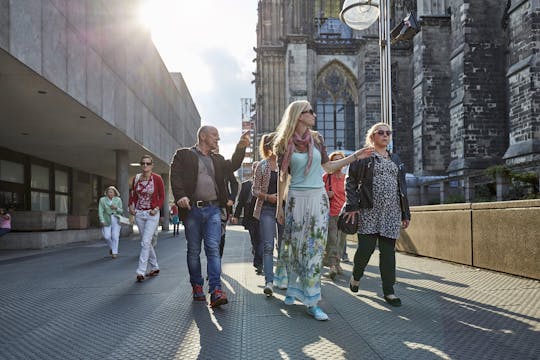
359,186
246,202
185,170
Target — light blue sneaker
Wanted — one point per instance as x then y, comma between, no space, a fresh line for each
289,300
317,313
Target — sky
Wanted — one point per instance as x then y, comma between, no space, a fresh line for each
211,43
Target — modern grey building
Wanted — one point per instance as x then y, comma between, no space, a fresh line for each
83,93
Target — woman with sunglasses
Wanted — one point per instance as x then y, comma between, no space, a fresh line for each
302,157
377,192
146,198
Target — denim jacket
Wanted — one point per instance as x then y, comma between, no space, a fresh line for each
359,186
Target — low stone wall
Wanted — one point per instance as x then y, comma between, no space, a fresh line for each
45,239
501,236
21,240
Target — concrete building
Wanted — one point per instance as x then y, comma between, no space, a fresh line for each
465,90
83,93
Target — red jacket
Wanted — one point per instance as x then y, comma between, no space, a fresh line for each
157,197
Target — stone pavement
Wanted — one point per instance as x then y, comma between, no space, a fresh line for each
77,303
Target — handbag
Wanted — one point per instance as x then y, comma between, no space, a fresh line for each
350,227
123,220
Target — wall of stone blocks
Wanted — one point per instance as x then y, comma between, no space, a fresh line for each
500,236
523,78
478,67
98,53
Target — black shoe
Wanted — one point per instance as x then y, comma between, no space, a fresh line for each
353,285
392,300
259,270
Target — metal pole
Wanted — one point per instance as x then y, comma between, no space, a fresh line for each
385,64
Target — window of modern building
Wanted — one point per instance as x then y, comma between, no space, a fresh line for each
40,177
61,187
40,201
11,172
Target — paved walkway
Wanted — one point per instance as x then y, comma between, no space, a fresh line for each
77,303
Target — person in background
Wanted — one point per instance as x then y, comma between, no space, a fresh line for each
382,204
146,199
231,185
109,208
302,157
335,189
246,203
175,220
5,222
265,191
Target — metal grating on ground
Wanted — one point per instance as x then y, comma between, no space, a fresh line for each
77,303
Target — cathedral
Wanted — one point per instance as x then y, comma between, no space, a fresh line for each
465,89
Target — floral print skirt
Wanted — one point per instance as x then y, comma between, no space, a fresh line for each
304,241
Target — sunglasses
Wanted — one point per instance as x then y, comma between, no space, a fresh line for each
308,111
382,132
145,163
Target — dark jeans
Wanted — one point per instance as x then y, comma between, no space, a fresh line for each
222,240
387,259
253,227
203,226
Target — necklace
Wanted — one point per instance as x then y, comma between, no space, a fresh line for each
384,155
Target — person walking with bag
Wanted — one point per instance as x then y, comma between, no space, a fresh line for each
377,192
265,191
302,157
146,199
246,202
335,189
109,210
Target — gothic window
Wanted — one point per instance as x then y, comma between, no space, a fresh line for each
335,107
327,8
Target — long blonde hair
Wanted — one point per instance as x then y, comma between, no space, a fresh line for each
371,132
286,127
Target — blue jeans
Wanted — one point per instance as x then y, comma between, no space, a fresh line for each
204,224
268,234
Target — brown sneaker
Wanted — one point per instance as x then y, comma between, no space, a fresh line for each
140,278
198,293
218,298
333,272
154,272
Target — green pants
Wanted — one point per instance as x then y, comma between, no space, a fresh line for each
387,259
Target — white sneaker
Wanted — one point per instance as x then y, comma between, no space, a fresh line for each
268,289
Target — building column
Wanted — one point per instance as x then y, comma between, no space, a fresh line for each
165,209
122,176
442,192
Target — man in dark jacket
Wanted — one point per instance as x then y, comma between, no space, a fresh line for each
198,185
246,202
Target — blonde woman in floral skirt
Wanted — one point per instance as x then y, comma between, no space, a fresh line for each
302,159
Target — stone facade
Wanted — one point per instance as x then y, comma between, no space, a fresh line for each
464,90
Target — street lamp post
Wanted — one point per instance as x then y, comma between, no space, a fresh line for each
360,15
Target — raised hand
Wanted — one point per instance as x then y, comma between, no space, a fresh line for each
245,139
364,153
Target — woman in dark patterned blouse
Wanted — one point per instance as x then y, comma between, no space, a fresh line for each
377,192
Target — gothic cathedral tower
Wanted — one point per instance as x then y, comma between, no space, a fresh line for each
305,52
